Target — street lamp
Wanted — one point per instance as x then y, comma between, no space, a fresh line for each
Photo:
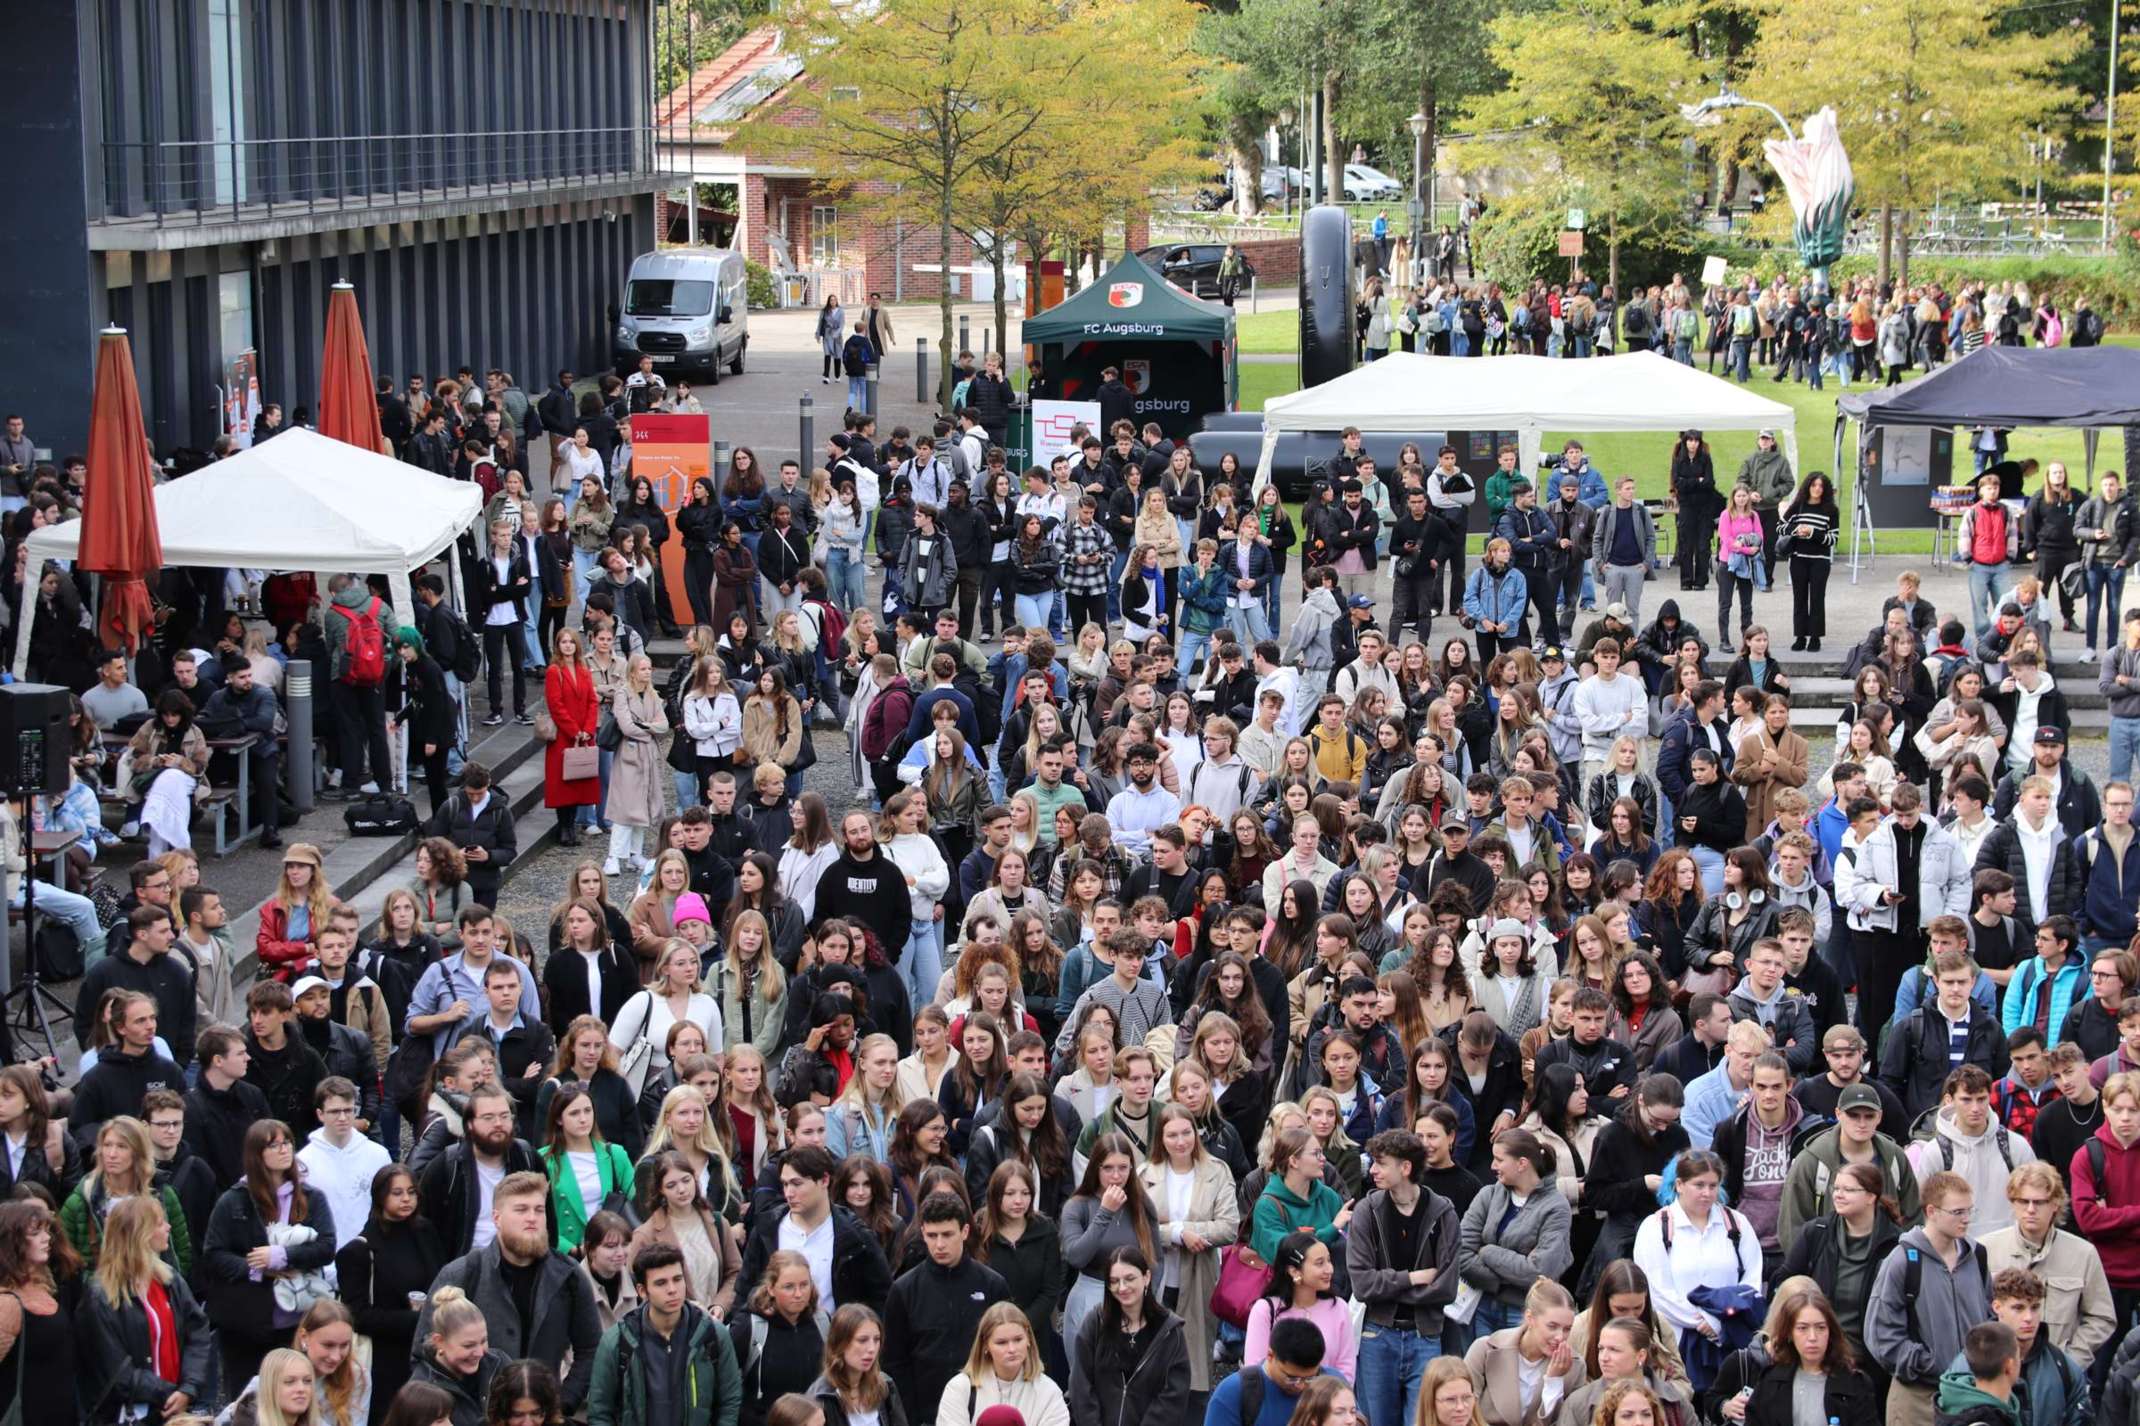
1710,111
1421,188
1285,173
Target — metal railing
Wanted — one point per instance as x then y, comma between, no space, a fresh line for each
208,181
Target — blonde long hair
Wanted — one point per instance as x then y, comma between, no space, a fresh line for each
343,1388
771,982
708,1141
319,901
276,1368
856,1095
125,1261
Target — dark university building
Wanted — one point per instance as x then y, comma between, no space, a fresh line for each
200,172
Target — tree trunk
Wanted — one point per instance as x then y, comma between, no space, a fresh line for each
1887,242
1248,179
943,301
1334,162
1902,250
1429,102
1003,302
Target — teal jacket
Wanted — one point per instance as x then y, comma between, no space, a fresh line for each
568,1215
712,1391
1203,599
1279,1212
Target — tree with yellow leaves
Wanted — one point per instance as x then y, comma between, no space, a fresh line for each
1592,106
933,96
1930,96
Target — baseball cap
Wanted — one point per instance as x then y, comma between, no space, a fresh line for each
1455,821
1839,1036
2049,734
1552,652
1360,601
306,983
1765,434
1857,1096
1619,612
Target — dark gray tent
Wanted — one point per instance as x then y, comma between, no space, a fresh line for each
2084,388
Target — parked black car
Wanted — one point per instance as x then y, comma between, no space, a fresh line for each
1194,267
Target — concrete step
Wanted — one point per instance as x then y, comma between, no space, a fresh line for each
1833,691
1819,716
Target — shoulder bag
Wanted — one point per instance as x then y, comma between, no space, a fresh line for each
639,1053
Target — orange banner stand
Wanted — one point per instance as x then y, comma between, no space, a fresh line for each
672,452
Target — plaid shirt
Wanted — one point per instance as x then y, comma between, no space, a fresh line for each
1080,538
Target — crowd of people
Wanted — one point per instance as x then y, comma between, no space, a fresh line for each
1191,1014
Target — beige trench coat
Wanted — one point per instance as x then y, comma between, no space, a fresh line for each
637,775
1215,1216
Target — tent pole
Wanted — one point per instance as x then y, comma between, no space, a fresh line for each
22,624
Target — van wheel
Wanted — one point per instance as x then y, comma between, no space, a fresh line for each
735,368
713,368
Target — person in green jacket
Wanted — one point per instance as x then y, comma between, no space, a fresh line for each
125,1165
1501,486
584,1169
1296,1199
638,1378
1809,1187
1981,1392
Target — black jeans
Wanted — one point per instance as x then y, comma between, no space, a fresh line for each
502,646
1809,594
1880,959
969,600
1411,603
363,727
698,585
1726,584
1082,609
1543,586
434,766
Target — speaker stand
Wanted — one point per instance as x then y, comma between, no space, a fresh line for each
33,993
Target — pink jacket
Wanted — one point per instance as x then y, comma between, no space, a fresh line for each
1737,534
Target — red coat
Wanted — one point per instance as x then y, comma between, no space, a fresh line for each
2109,1214
281,955
569,693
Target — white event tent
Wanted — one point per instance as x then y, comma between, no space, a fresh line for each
301,501
1530,395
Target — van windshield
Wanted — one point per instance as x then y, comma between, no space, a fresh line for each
667,297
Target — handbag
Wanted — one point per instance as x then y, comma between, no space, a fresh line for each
2073,580
609,737
581,761
638,1054
382,815
545,728
1240,1284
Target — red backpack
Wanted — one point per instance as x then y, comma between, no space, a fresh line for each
365,647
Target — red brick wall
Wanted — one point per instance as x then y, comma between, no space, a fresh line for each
1276,260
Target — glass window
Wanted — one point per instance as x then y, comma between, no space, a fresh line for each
667,297
824,235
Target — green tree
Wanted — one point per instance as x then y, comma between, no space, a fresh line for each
1593,108
1930,96
921,95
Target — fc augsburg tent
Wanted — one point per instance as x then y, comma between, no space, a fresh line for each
1530,395
1176,351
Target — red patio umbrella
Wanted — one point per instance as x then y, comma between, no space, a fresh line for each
119,536
349,399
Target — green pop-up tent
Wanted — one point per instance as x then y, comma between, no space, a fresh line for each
1176,352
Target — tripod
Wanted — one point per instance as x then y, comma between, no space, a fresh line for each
34,994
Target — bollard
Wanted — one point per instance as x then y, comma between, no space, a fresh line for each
720,463
806,434
869,388
297,709
965,338
921,371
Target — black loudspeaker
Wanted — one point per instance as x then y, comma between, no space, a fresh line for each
34,739
1326,297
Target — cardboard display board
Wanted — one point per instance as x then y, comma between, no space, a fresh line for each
672,452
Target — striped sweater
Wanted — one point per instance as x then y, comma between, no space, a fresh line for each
1820,543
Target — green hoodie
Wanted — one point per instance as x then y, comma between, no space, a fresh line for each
1960,1399
1280,1211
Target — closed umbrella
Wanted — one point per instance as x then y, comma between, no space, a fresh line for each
119,536
349,400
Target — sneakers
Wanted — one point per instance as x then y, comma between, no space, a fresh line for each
525,720
494,720
370,789
611,868
2090,655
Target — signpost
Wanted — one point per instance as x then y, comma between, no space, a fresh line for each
672,452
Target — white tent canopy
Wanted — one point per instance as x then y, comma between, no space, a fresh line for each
1530,395
301,501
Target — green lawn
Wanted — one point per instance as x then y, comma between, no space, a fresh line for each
1267,331
1647,455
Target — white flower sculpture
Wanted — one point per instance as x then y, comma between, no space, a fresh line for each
1816,175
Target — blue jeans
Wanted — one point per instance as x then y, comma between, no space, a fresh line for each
1711,862
1391,1363
536,659
1683,350
1032,612
77,913
858,400
1271,593
598,815
1741,363
1490,1318
2124,746
688,791
583,573
1250,624
1988,585
454,759
844,579
923,964
1192,644
2101,578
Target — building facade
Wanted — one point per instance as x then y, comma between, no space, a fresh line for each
201,172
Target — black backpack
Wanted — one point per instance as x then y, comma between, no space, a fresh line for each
467,649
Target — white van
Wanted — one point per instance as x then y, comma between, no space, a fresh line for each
687,308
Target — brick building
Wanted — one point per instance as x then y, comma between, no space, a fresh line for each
853,238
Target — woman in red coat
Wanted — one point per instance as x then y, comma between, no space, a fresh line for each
568,689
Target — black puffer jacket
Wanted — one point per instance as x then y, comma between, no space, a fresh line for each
1115,1388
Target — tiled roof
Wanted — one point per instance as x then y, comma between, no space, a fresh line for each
722,92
